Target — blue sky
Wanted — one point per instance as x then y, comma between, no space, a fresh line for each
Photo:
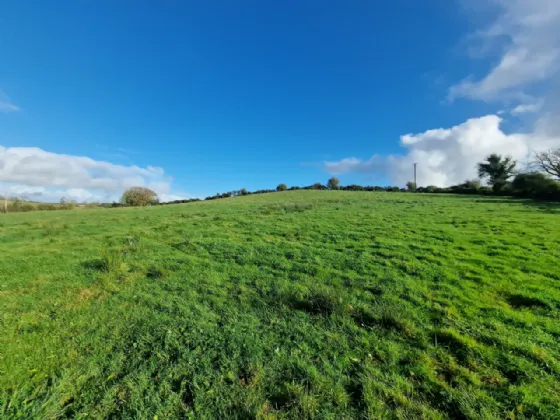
223,95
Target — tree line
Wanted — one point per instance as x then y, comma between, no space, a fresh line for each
538,180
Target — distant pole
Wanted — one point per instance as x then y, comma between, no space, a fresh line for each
415,185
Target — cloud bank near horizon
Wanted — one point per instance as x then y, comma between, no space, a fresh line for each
45,176
447,156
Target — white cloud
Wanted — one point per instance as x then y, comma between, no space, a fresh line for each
53,195
448,156
33,171
173,197
527,108
529,34
6,104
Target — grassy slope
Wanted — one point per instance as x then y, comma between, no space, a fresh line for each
291,305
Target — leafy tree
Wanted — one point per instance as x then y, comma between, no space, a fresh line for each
411,186
497,169
243,191
548,162
333,183
139,196
317,186
281,187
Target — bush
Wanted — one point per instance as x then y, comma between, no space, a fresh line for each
473,184
353,188
411,186
45,206
431,189
535,185
139,196
392,189
23,207
281,187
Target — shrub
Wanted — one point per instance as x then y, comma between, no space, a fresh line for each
281,187
411,186
473,184
45,206
139,196
431,189
535,185
353,187
18,205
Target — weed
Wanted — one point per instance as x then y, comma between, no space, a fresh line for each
112,261
156,272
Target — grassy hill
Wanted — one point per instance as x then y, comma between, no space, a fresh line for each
308,304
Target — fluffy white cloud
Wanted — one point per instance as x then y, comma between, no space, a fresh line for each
43,175
527,31
448,156
53,195
6,104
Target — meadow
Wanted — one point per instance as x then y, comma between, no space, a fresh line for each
307,304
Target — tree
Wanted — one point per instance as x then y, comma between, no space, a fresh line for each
139,196
316,186
243,191
411,186
548,161
333,183
281,187
497,169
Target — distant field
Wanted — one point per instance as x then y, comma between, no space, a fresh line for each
308,304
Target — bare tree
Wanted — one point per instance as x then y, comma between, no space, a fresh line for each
548,161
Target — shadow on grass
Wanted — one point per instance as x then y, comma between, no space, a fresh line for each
522,301
96,264
550,207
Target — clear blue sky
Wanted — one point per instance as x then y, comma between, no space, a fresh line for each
231,94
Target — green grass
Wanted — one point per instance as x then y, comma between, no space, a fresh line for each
310,304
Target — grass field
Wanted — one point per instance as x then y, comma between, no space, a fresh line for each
309,304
